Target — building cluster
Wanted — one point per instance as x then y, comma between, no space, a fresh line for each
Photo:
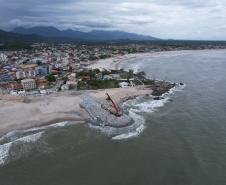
22,71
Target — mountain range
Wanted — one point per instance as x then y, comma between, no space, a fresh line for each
15,37
54,33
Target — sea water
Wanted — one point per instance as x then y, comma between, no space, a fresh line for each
180,139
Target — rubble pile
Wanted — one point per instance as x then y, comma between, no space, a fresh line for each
100,117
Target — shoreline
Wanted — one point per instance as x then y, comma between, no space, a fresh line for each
113,63
64,106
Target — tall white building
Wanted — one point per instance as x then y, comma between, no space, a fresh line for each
28,84
3,57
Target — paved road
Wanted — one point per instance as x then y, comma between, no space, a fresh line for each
56,87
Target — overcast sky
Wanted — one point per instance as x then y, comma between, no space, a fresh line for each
166,19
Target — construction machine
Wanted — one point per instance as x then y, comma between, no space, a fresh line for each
116,112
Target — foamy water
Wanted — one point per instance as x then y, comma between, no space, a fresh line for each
5,148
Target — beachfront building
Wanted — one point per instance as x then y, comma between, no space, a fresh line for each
72,76
15,88
72,83
108,77
65,87
28,84
123,84
116,76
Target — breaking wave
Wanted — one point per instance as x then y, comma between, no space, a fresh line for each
7,149
141,105
13,135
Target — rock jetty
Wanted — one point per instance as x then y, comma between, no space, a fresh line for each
101,117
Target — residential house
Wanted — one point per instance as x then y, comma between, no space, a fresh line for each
116,76
5,77
72,83
123,84
65,87
86,62
99,77
42,83
108,77
86,77
15,88
72,76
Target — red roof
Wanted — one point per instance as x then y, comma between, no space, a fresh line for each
85,76
42,80
52,71
75,71
16,86
99,76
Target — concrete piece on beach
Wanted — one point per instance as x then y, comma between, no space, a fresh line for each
101,117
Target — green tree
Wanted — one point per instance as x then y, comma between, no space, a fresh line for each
50,78
91,57
39,62
70,87
70,68
105,72
65,79
18,80
96,71
142,73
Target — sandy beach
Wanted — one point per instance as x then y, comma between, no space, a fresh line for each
114,62
64,106
17,115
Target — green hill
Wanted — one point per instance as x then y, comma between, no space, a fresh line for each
15,37
14,46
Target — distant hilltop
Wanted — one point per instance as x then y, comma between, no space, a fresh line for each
54,33
15,37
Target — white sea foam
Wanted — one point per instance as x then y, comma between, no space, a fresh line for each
60,124
141,105
5,148
10,134
31,138
175,89
132,134
150,106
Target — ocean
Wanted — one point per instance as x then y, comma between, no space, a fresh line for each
180,139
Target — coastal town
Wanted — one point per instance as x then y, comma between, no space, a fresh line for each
63,67
45,84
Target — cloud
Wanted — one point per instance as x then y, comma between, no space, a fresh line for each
175,19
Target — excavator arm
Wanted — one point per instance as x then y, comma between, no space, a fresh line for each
117,110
